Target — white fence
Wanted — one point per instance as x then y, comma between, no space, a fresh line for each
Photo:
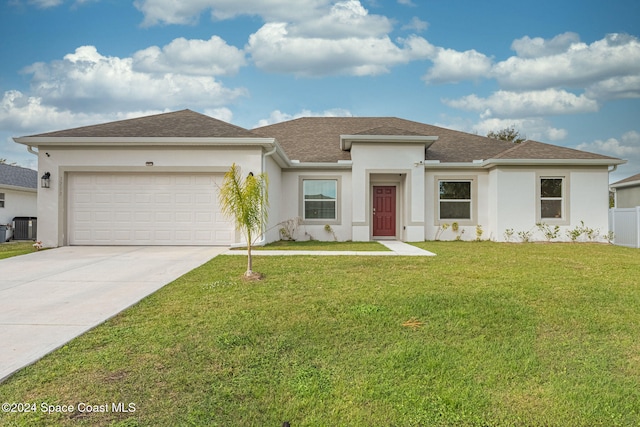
625,224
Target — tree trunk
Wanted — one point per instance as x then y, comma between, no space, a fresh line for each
249,271
249,261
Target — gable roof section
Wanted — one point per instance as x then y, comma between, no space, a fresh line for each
389,131
178,124
16,176
631,181
317,139
531,150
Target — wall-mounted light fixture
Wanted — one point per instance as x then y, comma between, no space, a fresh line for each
45,181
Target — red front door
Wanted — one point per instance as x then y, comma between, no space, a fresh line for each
384,211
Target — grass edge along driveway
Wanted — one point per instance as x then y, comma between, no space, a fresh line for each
11,249
497,334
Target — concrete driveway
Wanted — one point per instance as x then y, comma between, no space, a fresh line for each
48,298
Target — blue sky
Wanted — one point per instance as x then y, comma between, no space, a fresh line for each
562,72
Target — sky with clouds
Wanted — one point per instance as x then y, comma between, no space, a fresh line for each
563,72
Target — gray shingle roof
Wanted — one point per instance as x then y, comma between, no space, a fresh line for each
539,150
17,176
630,179
316,139
178,124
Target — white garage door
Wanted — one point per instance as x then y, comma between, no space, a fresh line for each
146,209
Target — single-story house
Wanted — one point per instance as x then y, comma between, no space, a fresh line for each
18,196
152,181
627,192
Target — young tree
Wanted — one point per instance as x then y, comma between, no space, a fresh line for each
508,134
246,201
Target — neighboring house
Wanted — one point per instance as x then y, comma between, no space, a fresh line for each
18,195
152,181
627,192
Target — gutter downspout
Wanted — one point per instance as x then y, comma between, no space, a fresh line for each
263,239
613,190
31,150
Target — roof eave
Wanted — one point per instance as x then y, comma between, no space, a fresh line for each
36,141
489,163
553,162
346,141
18,188
339,165
626,184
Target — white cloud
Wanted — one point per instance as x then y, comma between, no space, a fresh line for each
274,49
187,12
527,47
615,88
223,114
46,3
416,24
406,3
278,116
608,66
88,81
578,65
345,19
452,66
627,147
532,128
20,114
536,82
525,104
304,38
193,57
561,75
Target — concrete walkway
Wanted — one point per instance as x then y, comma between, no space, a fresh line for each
48,298
395,248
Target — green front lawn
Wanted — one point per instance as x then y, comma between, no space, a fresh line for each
7,250
495,335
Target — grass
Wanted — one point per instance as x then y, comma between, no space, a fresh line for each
484,334
8,250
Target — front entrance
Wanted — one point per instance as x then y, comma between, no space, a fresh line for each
384,211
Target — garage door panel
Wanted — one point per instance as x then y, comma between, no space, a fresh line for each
145,209
164,198
103,216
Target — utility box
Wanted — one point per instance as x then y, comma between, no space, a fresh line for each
25,228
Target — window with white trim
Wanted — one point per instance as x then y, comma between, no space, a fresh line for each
454,199
551,198
320,199
1,200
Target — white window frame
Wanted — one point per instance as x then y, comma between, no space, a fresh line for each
331,221
473,201
564,197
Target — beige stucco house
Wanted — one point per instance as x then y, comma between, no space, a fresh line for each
152,181
627,192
